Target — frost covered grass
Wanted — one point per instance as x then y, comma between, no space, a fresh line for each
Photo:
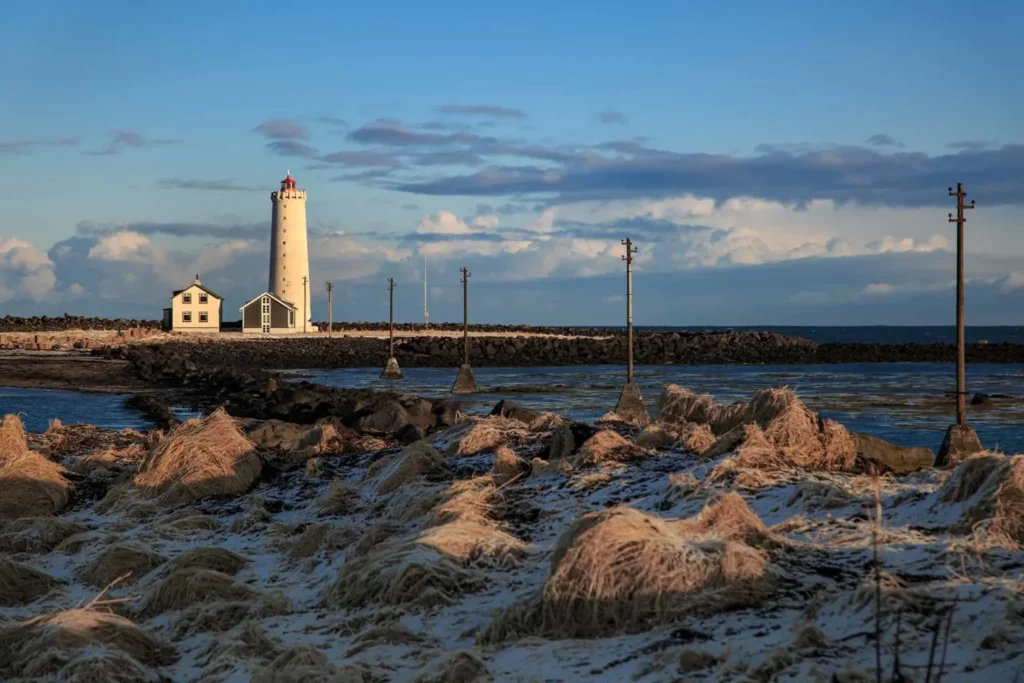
737,542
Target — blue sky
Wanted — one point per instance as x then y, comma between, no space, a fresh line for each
736,142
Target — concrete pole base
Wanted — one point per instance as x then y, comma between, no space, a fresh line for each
465,383
960,443
391,370
630,407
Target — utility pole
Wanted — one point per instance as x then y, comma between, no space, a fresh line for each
961,440
628,258
465,383
426,313
330,308
305,303
630,407
465,315
391,369
961,375
391,317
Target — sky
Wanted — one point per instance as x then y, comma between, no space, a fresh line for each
774,163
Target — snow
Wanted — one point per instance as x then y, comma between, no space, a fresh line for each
822,569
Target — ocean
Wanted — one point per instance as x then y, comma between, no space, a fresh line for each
873,334
905,403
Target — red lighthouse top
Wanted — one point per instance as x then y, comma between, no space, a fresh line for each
288,182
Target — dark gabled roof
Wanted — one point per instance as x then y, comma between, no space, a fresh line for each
273,296
205,289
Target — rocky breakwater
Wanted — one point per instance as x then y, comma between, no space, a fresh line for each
262,395
72,339
11,323
506,351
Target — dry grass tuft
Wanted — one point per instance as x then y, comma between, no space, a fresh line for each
32,486
314,467
473,542
217,559
620,571
400,574
254,519
679,486
608,446
546,422
992,490
417,460
42,646
726,518
307,664
21,584
106,666
696,438
340,499
117,560
508,465
217,616
199,459
488,434
795,438
657,435
366,444
374,536
326,537
461,667
36,534
187,587
679,406
13,439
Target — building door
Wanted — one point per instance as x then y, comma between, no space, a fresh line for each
265,314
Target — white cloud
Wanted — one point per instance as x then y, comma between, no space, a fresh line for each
881,288
1014,280
25,271
443,223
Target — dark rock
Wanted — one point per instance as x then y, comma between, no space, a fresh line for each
959,444
388,418
513,410
408,434
277,434
153,409
447,412
898,459
421,412
980,399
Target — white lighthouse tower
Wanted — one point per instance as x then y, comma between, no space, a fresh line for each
289,255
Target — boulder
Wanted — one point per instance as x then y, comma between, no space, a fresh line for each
278,434
447,412
980,399
421,412
386,417
513,410
899,459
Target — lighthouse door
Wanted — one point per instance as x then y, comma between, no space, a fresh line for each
265,315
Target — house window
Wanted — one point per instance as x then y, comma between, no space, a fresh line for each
186,316
291,318
186,298
204,317
204,299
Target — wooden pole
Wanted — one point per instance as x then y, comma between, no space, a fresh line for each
465,315
391,317
961,375
330,308
628,258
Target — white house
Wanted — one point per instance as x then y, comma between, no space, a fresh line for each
194,309
268,314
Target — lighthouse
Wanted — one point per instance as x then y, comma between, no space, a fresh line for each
289,255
